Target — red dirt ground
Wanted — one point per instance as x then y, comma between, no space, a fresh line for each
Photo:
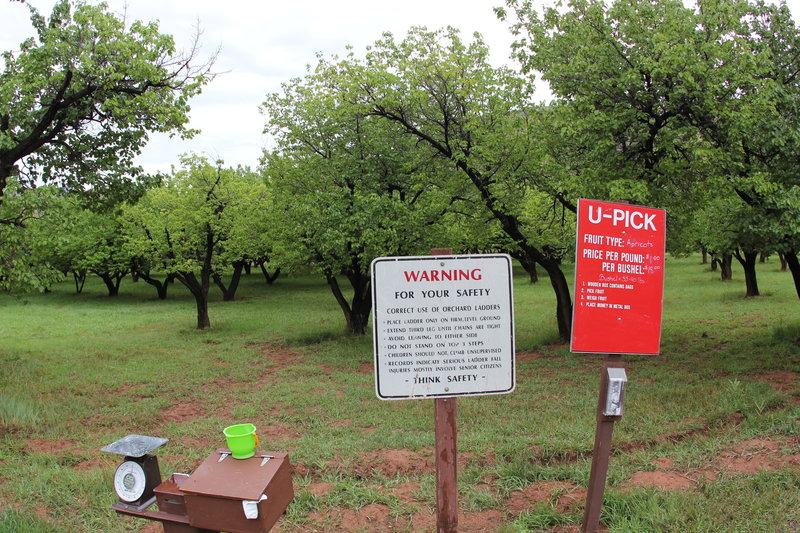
744,458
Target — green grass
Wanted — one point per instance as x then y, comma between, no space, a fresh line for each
78,371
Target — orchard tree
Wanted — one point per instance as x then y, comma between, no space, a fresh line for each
79,98
81,241
348,187
479,121
760,135
668,98
102,251
732,229
182,226
249,231
29,220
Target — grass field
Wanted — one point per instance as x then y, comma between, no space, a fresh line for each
710,440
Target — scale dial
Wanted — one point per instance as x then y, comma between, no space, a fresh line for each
130,481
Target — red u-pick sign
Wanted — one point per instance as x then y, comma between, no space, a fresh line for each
619,278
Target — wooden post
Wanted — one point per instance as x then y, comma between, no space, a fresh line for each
446,475
602,451
446,484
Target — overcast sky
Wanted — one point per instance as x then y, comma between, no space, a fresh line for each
263,43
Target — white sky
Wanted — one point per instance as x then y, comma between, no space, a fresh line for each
264,43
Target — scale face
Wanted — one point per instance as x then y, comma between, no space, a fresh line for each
138,474
130,481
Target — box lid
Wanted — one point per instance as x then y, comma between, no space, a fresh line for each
240,479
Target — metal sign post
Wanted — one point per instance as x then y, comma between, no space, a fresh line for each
443,327
602,440
619,285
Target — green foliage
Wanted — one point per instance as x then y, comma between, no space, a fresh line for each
348,187
78,98
676,106
29,220
199,205
196,223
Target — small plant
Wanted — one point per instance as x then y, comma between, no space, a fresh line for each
15,413
787,334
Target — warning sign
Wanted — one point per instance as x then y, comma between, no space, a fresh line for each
443,326
619,278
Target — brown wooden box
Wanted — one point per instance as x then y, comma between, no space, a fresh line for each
169,495
215,491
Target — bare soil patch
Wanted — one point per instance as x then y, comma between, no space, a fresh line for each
405,492
152,527
319,489
271,431
374,518
104,462
745,458
185,410
783,381
280,357
53,447
751,456
393,463
560,493
662,480
480,522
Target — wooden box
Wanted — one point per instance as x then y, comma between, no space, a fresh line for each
215,491
169,495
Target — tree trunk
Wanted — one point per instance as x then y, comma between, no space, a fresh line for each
356,313
748,262
533,274
203,321
200,292
794,266
714,262
704,255
559,283
113,288
161,287
229,292
783,262
199,288
112,281
267,276
563,299
80,279
270,278
726,273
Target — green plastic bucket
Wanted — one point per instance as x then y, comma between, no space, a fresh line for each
242,440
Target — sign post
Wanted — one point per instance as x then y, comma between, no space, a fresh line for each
619,284
443,327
